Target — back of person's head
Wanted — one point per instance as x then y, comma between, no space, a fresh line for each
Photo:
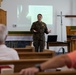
3,33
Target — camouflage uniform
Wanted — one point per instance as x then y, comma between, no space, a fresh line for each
39,36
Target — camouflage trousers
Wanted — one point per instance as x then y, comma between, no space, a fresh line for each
39,45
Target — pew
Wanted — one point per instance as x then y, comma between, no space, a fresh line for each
36,55
50,73
24,50
47,50
30,47
20,64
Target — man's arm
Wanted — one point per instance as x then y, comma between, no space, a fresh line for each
55,62
33,28
46,29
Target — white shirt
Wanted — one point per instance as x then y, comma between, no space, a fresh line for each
8,53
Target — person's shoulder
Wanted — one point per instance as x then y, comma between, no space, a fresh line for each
13,53
11,49
44,23
35,22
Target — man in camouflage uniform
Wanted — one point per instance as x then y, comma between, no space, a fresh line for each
39,28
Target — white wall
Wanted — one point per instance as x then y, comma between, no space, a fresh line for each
74,12
59,5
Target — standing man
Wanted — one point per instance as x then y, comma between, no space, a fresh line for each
39,28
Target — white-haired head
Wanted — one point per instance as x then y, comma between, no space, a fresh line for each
3,33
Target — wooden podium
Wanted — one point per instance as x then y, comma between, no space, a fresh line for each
71,36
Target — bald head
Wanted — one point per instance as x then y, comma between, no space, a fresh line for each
3,33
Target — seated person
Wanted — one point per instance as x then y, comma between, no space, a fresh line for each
5,52
68,60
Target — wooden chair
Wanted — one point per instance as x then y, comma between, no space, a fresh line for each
50,73
47,50
24,50
36,55
20,64
30,47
